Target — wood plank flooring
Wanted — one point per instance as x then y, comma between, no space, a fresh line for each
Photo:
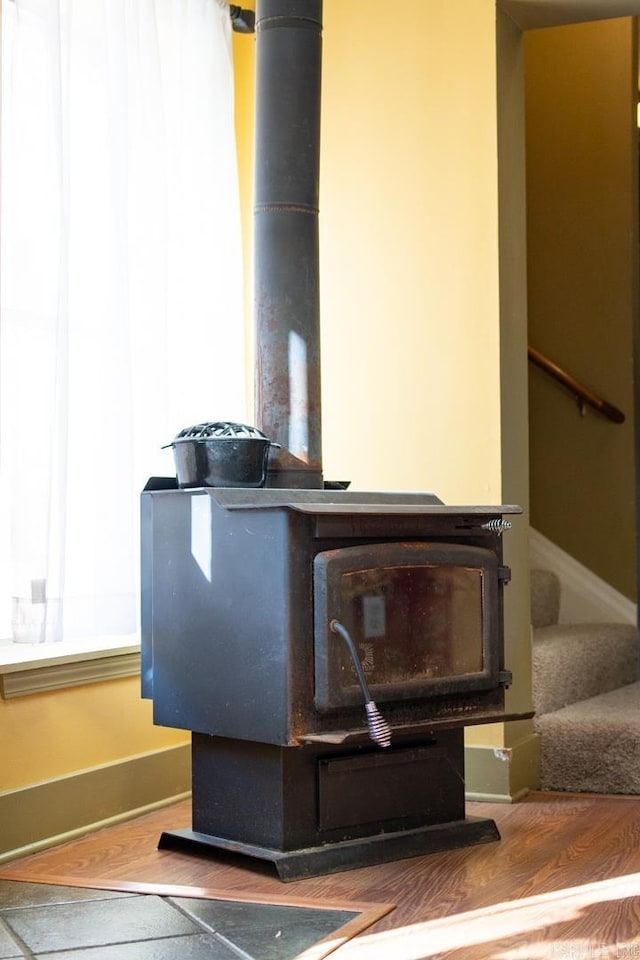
564,882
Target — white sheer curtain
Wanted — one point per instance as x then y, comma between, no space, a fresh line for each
121,288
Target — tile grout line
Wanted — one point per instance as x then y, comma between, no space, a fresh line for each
205,926
26,952
232,946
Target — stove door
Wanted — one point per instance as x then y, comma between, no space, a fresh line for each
423,619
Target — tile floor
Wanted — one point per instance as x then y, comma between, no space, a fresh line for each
75,923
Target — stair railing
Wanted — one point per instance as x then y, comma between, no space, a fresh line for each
583,394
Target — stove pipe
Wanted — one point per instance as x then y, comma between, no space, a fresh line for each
286,266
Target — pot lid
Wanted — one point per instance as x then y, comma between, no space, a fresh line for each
220,429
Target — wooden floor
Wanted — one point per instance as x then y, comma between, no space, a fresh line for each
564,882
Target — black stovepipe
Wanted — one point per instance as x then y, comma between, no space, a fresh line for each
286,267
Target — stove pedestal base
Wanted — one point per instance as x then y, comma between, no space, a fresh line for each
322,808
347,854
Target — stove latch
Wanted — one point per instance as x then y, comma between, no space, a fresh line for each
497,526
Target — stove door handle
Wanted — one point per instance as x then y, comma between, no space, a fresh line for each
379,730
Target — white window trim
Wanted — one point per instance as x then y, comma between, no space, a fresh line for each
28,669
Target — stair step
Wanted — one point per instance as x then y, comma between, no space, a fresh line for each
574,662
593,746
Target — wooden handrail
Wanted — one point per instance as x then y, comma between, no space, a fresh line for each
583,394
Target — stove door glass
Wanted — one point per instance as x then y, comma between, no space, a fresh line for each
420,618
411,623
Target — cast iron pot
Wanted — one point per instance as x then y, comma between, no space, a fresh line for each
221,454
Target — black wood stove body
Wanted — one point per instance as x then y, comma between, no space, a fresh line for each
261,609
325,647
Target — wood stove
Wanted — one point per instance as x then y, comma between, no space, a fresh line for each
326,647
241,589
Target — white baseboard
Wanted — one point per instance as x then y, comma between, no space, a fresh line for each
584,597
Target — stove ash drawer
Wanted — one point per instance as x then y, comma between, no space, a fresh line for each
415,785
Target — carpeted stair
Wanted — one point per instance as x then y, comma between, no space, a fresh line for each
586,696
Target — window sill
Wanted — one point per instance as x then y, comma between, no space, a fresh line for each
26,669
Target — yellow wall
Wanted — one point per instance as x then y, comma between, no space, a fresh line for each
49,735
582,212
409,241
409,244
244,69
